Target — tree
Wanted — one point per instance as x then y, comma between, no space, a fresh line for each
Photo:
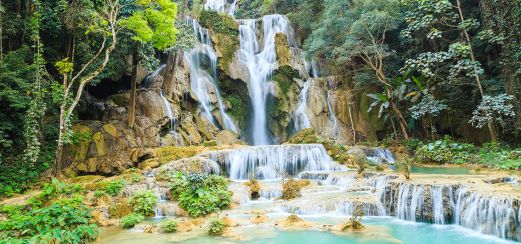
439,18
103,24
151,22
367,29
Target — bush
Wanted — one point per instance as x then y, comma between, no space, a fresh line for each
445,151
144,202
177,184
113,188
203,194
131,220
168,226
216,227
291,188
64,219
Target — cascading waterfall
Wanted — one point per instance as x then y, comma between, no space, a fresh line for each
301,119
446,204
260,66
168,110
152,75
273,162
380,155
203,79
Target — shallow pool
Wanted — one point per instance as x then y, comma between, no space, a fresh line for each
378,230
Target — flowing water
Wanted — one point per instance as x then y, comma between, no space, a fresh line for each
273,162
260,62
203,77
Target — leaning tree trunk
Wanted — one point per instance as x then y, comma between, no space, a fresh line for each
490,125
133,92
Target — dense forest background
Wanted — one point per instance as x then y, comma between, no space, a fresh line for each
431,67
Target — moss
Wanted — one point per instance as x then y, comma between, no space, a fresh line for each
99,142
227,46
81,147
111,130
239,109
282,49
284,77
219,22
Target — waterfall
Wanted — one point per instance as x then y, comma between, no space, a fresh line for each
273,162
329,102
446,204
380,155
301,120
152,75
260,65
437,205
491,215
168,110
221,6
203,77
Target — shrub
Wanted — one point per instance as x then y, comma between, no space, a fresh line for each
144,202
177,184
99,193
131,220
113,188
204,194
168,226
216,227
445,151
254,187
412,144
64,218
291,188
404,166
360,161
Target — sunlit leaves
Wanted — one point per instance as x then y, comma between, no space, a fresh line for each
493,108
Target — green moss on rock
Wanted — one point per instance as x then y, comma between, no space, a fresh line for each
219,22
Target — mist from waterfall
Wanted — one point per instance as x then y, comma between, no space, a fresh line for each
203,77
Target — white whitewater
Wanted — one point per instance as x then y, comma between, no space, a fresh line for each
221,6
330,103
273,162
260,64
203,79
441,204
301,119
380,155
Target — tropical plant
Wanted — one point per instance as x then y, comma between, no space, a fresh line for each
131,220
143,202
216,227
168,226
204,194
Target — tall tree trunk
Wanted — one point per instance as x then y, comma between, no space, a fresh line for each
133,92
401,120
490,125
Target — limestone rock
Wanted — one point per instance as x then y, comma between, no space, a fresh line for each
227,137
282,49
259,219
293,221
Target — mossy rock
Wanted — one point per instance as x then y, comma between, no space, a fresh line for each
167,154
99,142
121,100
226,46
81,148
219,22
282,49
111,130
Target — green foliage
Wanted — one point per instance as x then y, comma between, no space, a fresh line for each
200,194
445,151
63,219
216,227
113,188
131,220
219,22
404,166
143,202
168,226
154,23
